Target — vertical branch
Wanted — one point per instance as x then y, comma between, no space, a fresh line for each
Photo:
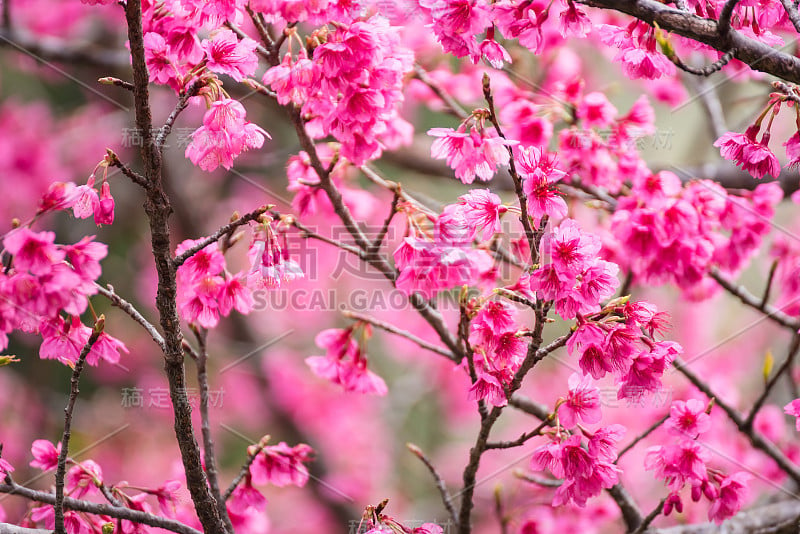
205,425
158,209
73,395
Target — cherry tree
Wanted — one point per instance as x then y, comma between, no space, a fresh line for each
413,267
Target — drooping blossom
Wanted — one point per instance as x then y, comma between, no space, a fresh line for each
224,135
345,363
281,465
471,154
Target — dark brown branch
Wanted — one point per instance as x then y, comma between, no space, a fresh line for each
158,209
116,512
134,176
792,14
756,438
750,300
440,485
768,285
520,440
777,518
61,468
205,425
128,308
758,56
216,236
630,512
791,355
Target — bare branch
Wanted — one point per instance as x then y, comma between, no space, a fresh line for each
216,236
116,512
440,485
61,468
127,307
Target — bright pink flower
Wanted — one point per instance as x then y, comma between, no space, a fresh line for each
793,408
428,268
753,157
574,22
246,498
5,467
207,261
157,56
344,363
63,341
678,463
83,479
226,54
732,493
282,465
793,151
199,302
270,264
569,249
45,454
457,22
104,208
602,444
482,209
291,79
596,111
33,251
85,256
59,196
488,388
582,403
494,53
224,135
688,419
106,348
477,153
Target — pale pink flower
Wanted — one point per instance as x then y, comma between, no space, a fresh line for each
470,154
793,408
482,209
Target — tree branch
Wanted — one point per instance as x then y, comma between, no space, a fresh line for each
158,209
116,512
61,468
757,55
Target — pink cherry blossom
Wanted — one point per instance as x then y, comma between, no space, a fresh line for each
582,403
226,54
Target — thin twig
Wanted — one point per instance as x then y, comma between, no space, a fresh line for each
251,457
440,485
134,176
399,332
128,308
201,335
520,440
655,512
768,286
750,300
223,231
116,512
791,355
451,103
652,428
61,468
183,101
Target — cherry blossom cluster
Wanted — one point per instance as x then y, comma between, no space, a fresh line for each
669,232
207,290
438,254
752,153
44,280
583,460
683,462
345,362
620,340
85,478
497,351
